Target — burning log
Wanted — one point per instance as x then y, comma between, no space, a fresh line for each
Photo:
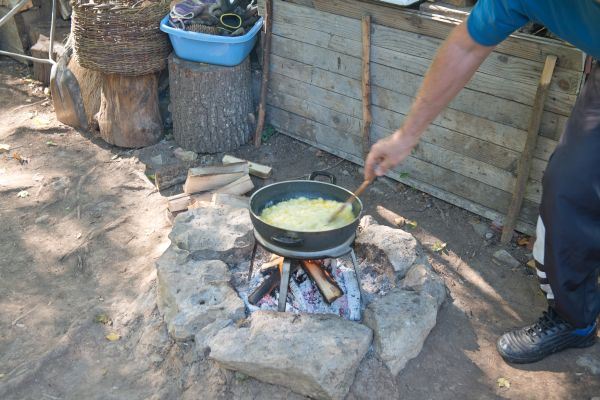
266,287
271,265
327,286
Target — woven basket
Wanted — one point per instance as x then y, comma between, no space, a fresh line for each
120,36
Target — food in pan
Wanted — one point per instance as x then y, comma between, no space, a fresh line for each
306,215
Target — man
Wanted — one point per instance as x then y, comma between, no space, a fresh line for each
567,249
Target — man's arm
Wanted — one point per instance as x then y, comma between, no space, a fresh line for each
454,64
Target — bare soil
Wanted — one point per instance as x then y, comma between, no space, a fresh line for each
77,255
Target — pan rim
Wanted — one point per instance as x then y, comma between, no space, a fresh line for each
349,193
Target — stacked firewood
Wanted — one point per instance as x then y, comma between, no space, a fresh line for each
222,183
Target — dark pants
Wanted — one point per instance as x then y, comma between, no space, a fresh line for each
567,249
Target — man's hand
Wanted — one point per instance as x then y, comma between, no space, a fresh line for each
455,63
388,152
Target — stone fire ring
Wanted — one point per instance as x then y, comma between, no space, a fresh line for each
315,355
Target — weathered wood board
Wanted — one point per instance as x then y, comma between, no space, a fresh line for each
469,155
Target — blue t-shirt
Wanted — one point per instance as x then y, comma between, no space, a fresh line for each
575,21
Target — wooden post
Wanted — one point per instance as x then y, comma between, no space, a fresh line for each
527,154
211,105
129,114
265,73
366,84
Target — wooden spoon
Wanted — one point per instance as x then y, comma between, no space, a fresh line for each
348,202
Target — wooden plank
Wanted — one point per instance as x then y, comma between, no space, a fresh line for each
367,118
521,45
342,33
259,170
297,127
497,164
328,86
470,101
468,167
527,154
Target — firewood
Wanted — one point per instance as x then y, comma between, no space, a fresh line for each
266,287
183,201
327,286
258,170
230,200
273,264
240,186
202,179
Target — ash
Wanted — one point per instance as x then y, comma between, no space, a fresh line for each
303,294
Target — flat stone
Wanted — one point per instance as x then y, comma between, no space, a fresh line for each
194,293
388,246
421,278
401,321
215,233
208,332
503,257
590,363
315,355
185,155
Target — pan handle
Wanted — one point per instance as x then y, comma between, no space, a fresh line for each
326,174
287,240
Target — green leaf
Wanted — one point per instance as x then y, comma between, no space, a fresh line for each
438,246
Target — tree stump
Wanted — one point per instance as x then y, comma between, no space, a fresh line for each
129,115
211,105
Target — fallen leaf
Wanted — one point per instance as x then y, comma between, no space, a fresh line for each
438,246
113,336
103,319
531,264
114,157
152,177
411,224
23,193
51,143
404,175
503,383
4,147
523,241
20,158
1,376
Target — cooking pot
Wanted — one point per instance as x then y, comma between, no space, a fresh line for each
298,241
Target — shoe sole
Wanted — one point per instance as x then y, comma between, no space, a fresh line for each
528,360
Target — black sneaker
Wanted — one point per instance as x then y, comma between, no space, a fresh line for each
550,334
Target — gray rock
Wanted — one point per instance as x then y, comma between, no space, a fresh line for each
401,321
503,257
489,235
312,354
590,363
192,294
214,233
42,219
390,246
367,221
423,279
208,332
185,155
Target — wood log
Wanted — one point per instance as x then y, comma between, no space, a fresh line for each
41,71
366,85
129,115
266,65
261,171
241,186
183,201
230,200
276,263
527,155
211,105
327,286
170,175
266,287
90,86
202,179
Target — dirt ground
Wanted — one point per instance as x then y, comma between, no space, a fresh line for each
81,227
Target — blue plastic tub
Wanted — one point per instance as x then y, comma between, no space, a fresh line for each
211,49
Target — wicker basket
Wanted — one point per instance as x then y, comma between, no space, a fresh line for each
120,36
